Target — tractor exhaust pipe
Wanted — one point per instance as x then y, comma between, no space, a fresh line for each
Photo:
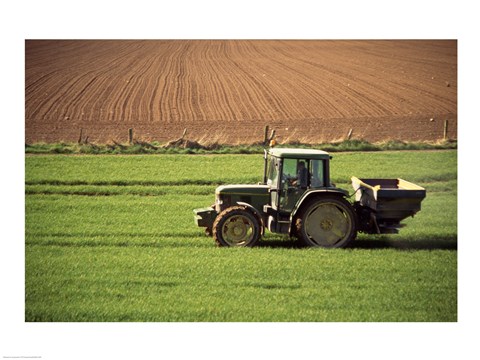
265,166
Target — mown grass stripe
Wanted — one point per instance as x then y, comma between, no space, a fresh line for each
182,182
92,193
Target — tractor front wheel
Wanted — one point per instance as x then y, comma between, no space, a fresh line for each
236,226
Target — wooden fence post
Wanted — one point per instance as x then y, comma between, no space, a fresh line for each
80,137
130,136
349,135
445,130
265,135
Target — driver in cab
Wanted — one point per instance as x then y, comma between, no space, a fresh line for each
302,176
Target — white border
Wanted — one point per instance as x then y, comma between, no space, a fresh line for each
238,20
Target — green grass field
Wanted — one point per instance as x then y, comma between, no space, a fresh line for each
112,238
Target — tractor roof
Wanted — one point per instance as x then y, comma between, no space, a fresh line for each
299,153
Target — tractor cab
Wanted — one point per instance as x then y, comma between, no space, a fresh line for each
290,174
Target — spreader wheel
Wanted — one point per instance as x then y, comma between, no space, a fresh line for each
236,226
327,222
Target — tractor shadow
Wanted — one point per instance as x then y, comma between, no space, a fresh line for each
376,243
429,243
280,244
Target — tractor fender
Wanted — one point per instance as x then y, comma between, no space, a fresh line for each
308,195
255,212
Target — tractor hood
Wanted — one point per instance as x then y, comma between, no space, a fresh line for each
254,195
242,190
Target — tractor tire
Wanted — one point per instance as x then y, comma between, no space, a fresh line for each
236,226
327,221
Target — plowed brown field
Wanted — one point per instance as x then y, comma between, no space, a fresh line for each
227,91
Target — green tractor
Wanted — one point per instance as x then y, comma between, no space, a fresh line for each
297,198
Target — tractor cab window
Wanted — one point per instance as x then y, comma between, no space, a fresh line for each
296,172
316,173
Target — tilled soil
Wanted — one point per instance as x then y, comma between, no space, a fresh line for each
226,91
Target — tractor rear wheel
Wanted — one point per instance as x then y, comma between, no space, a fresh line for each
236,226
328,221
